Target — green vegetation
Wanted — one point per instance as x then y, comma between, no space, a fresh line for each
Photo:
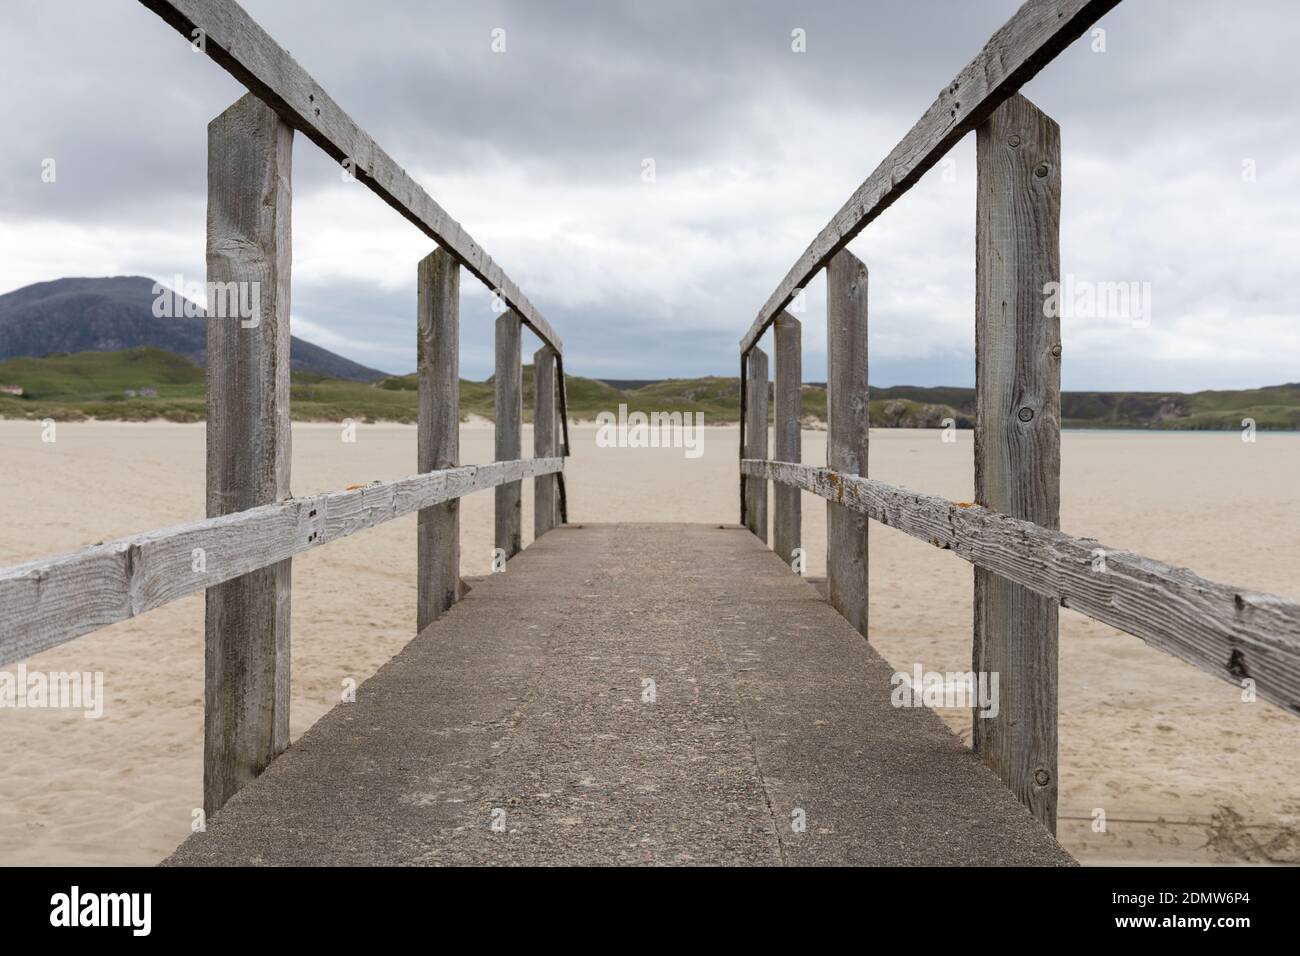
97,385
717,398
586,396
1274,407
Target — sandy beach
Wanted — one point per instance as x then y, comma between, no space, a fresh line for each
1184,770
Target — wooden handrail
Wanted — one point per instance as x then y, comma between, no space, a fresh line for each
49,601
1227,631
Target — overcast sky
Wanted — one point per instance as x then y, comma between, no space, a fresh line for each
539,153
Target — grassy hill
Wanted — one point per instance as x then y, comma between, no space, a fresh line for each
98,385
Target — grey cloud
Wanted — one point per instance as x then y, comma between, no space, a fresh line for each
1154,132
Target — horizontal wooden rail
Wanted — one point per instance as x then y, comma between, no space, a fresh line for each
1232,633
47,602
1026,43
238,44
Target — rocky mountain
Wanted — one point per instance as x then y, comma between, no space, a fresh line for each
106,314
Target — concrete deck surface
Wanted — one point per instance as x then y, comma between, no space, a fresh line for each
527,706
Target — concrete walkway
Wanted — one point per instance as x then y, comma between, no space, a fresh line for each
530,706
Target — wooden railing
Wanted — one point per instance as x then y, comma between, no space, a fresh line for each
1025,568
241,554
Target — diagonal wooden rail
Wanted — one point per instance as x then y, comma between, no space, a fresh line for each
235,41
1030,40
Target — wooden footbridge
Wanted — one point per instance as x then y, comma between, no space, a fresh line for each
639,693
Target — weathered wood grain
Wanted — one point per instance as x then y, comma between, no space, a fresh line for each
1018,437
1031,39
50,601
546,511
786,437
246,619
847,432
508,435
756,441
1231,632
438,584
239,45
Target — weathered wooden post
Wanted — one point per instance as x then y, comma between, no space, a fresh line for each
509,442
847,432
546,444
755,509
438,431
246,620
788,399
742,449
1017,435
